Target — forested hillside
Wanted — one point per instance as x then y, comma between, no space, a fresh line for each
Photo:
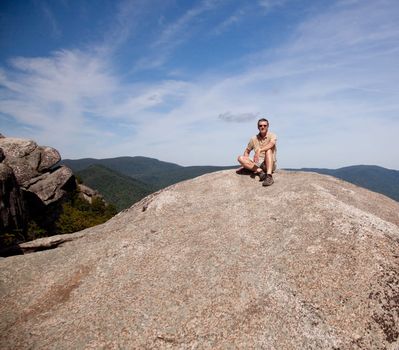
118,189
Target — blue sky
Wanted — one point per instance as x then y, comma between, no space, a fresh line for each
186,81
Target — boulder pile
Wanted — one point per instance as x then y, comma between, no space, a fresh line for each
28,175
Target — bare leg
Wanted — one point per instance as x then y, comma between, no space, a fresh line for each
269,161
269,168
247,163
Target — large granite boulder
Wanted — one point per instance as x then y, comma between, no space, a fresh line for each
217,262
16,147
33,167
27,159
22,156
48,158
50,186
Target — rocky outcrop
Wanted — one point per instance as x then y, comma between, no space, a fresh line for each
34,192
29,181
216,262
88,194
27,159
50,186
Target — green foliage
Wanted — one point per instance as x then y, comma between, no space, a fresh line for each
34,231
118,189
10,238
15,236
78,214
78,179
75,214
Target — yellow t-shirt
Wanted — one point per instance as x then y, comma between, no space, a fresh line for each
256,142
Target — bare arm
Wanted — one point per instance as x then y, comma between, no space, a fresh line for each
268,146
247,152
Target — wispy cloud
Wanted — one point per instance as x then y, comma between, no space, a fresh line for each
237,118
354,26
175,34
52,94
51,19
248,11
177,31
268,5
78,95
127,18
232,20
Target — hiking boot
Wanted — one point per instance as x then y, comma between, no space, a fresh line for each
262,176
268,180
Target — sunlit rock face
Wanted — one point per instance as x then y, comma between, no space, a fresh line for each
27,159
28,181
216,262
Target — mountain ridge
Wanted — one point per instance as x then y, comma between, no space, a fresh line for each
159,174
151,171
372,177
118,189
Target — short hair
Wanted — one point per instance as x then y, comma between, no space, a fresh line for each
263,120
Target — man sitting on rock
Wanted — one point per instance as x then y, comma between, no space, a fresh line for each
264,145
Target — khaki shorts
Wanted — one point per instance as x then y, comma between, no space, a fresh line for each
261,163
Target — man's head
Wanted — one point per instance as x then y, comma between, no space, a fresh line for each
263,125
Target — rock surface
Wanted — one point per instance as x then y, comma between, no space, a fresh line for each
26,158
49,187
29,182
88,194
12,209
216,262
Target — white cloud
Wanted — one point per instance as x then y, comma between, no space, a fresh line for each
53,94
74,98
238,117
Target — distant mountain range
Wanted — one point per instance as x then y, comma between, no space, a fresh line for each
372,177
116,188
125,180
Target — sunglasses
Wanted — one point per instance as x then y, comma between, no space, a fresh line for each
263,126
